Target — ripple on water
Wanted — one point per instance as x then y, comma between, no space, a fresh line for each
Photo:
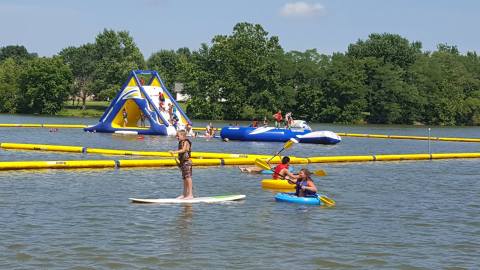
331,264
388,214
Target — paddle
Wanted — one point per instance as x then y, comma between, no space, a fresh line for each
287,145
326,200
176,161
264,165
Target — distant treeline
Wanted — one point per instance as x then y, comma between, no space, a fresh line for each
383,79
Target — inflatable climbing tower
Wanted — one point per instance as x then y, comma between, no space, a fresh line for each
138,108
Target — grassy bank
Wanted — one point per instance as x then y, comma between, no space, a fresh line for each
93,109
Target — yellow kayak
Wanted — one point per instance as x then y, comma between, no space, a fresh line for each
277,184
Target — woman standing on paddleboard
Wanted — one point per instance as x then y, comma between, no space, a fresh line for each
185,164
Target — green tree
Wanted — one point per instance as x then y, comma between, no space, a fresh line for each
166,62
81,61
244,70
446,84
390,48
16,52
391,99
9,73
116,54
44,85
302,74
345,90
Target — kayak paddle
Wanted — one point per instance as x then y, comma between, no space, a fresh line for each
326,200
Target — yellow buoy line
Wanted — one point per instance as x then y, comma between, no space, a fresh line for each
90,150
77,164
358,135
43,125
404,137
69,126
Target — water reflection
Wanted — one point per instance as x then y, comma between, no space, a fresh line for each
184,227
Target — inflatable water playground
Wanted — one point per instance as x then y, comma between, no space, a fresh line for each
140,109
272,134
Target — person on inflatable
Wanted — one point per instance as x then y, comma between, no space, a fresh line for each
304,186
190,132
278,119
161,101
281,170
254,123
210,131
125,117
288,120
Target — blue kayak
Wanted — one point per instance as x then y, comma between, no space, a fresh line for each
291,198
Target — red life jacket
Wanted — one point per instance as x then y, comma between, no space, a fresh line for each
278,169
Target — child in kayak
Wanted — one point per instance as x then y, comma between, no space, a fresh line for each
304,186
281,170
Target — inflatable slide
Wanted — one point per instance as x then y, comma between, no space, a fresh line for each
139,108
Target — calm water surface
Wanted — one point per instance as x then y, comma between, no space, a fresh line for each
390,215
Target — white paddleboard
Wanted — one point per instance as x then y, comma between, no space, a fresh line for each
213,199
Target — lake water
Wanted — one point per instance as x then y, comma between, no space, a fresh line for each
389,215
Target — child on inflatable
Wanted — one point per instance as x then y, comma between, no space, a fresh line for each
278,119
254,123
304,186
161,101
125,117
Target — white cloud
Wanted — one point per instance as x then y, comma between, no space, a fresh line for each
302,9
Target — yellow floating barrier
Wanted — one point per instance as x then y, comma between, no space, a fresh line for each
70,164
125,152
42,147
455,155
22,125
332,159
405,137
43,125
74,164
80,149
146,163
70,126
401,157
203,129
63,126
344,134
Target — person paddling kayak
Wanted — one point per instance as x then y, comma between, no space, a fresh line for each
304,186
282,170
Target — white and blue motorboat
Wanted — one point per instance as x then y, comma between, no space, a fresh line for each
272,134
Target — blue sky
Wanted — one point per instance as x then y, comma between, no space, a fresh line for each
329,26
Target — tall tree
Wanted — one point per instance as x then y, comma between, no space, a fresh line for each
116,54
390,48
17,52
44,85
242,72
81,60
9,72
166,63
